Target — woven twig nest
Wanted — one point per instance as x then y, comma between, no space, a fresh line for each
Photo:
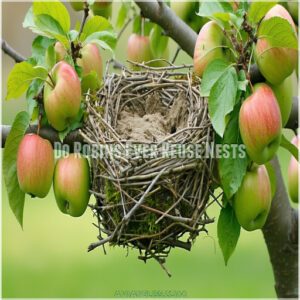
153,198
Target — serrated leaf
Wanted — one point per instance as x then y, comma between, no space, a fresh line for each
211,74
94,25
258,9
16,197
158,41
21,77
54,9
228,232
278,32
105,39
233,166
222,99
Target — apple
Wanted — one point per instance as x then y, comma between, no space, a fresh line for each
77,5
90,60
60,51
102,8
253,199
292,7
138,49
183,9
35,165
260,124
71,184
275,63
284,95
293,173
210,45
62,96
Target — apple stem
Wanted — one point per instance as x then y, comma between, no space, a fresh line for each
85,16
51,83
142,26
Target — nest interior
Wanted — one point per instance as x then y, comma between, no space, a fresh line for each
152,199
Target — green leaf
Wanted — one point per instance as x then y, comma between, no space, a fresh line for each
211,74
272,177
258,10
90,82
286,144
39,47
105,39
123,13
228,232
50,28
50,57
77,123
222,99
278,32
215,10
21,77
33,90
54,9
73,35
95,24
137,25
208,9
232,165
158,41
16,197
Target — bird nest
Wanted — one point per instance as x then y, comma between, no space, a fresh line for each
151,173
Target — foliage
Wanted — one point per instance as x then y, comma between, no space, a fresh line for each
226,84
15,195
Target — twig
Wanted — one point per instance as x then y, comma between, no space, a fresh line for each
6,48
84,18
123,28
176,54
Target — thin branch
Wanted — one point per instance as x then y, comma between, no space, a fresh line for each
84,18
176,54
7,49
123,28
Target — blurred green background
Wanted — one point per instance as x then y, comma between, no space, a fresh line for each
49,258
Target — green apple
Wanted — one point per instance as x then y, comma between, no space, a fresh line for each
293,182
138,49
35,165
90,60
62,96
260,124
284,94
292,7
71,184
275,63
60,51
78,5
102,8
183,9
253,199
210,45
